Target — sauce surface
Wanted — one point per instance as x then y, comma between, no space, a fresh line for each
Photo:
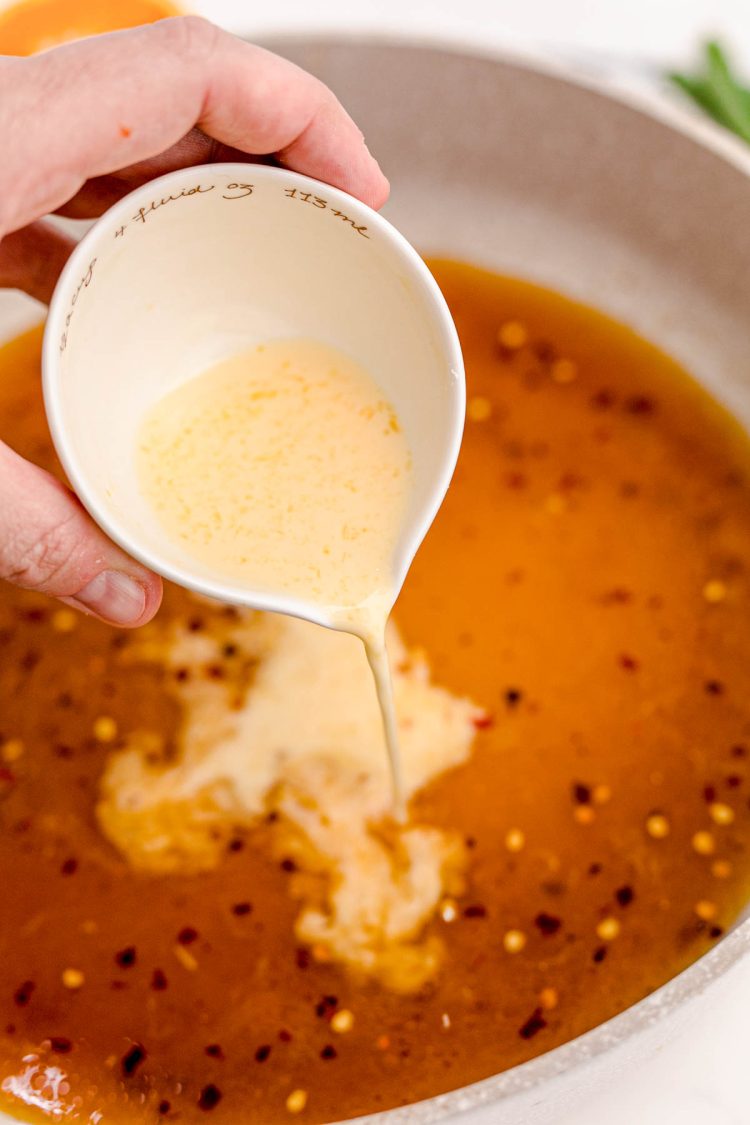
285,468
604,808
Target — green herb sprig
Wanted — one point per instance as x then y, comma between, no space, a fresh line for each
716,90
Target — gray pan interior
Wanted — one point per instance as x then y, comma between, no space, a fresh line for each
523,171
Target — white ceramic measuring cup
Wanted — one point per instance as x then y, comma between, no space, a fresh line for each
203,264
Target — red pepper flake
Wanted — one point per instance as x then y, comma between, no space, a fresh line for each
182,675
126,957
544,351
125,131
302,958
602,400
709,793
483,722
69,867
329,1052
568,482
628,663
132,1059
187,935
210,1096
240,909
22,995
548,924
581,793
229,651
10,1029
164,1107
733,781
288,865
624,895
714,687
63,751
595,869
263,1052
535,1023
617,596
738,752
326,1005
34,615
214,1051
285,1036
476,910
236,845
516,480
60,1045
158,980
513,697
640,404
715,932
599,954
215,672
196,624
7,776
470,842
118,985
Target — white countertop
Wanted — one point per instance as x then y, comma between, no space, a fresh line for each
705,1081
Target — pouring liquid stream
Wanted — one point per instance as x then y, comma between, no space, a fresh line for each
285,468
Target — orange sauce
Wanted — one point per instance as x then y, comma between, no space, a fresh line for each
586,583
37,25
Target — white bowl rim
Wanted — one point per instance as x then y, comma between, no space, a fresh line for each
692,981
226,589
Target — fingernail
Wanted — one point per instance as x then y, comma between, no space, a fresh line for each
115,596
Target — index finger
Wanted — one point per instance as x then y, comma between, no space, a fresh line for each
92,107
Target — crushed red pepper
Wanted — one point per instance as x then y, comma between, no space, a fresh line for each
210,1096
132,1059
23,993
547,924
624,895
534,1024
569,715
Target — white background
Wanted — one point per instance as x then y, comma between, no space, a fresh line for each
706,1081
640,31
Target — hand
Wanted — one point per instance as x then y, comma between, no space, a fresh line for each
79,127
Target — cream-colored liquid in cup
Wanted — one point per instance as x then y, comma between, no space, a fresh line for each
285,467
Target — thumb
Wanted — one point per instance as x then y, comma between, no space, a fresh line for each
49,543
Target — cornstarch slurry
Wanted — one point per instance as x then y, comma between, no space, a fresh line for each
285,467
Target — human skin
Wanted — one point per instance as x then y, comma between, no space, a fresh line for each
82,125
